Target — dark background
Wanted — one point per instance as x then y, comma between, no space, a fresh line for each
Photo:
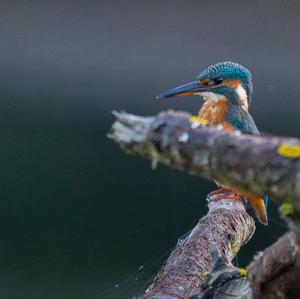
77,216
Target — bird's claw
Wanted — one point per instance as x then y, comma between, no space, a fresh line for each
222,194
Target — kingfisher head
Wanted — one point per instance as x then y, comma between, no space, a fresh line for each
224,80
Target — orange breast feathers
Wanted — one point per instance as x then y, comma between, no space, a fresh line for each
215,112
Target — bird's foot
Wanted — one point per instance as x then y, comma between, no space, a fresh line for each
222,194
219,191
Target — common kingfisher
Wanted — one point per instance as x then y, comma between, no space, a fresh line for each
226,89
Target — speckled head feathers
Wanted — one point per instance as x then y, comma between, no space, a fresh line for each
229,71
225,80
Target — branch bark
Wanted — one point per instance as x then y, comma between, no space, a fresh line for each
227,226
237,161
275,272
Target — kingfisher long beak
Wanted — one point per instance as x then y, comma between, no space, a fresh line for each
184,90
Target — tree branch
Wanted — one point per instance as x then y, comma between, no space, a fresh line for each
227,226
263,165
275,272
237,161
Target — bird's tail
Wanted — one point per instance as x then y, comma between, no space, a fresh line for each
260,205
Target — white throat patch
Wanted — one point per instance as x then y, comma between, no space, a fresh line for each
240,90
214,97
211,96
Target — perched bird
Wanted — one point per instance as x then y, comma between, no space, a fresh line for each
226,89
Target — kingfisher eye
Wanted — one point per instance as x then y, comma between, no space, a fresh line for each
218,80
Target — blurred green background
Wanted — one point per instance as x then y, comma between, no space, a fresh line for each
79,218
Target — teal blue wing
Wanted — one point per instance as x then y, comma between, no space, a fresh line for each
242,121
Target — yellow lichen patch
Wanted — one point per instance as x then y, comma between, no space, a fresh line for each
205,276
198,119
287,208
235,245
289,151
243,272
